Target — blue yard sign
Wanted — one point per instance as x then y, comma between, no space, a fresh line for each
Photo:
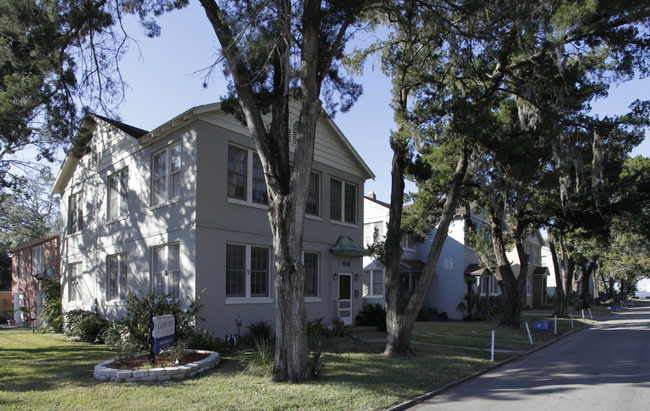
164,335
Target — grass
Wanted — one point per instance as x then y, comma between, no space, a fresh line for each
43,371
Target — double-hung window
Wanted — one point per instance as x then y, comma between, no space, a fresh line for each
372,283
117,277
310,262
246,176
117,194
247,271
166,175
166,270
313,195
37,260
75,213
74,281
343,201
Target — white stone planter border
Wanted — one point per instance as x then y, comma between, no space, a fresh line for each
104,373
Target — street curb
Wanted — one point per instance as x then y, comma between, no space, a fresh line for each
410,403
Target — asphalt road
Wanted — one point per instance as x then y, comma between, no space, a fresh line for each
605,367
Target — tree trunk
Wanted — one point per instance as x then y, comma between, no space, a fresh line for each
589,270
397,341
523,272
560,309
568,274
400,317
509,283
287,183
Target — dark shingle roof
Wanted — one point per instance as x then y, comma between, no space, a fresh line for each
131,130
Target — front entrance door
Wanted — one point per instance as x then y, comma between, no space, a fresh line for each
345,298
19,301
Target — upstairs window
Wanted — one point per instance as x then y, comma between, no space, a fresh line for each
343,201
75,213
37,260
166,270
117,277
117,194
246,180
166,178
313,195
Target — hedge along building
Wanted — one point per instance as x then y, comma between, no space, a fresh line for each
183,208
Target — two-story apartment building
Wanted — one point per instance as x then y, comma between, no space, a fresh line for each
458,270
537,273
183,208
31,262
456,273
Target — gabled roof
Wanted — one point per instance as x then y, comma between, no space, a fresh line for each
475,270
131,130
70,162
144,137
35,241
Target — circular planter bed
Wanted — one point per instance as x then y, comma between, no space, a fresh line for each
138,369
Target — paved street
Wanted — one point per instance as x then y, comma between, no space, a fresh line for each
605,367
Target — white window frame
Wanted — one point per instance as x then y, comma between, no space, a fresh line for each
369,291
343,199
117,188
118,261
75,274
37,260
407,242
166,271
170,177
249,188
75,213
247,298
316,297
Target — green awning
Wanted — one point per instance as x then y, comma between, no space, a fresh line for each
345,245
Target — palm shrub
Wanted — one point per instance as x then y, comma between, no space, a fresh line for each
50,314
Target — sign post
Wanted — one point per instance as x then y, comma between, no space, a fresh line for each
162,334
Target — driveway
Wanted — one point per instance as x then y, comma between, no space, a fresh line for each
604,367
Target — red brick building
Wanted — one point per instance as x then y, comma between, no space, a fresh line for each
31,262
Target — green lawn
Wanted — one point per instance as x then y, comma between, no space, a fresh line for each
42,371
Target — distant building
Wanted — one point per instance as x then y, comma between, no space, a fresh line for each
32,262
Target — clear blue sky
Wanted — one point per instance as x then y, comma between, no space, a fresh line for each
165,79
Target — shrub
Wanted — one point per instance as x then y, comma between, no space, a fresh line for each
91,328
118,337
258,331
426,313
140,310
204,340
372,314
72,319
50,314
